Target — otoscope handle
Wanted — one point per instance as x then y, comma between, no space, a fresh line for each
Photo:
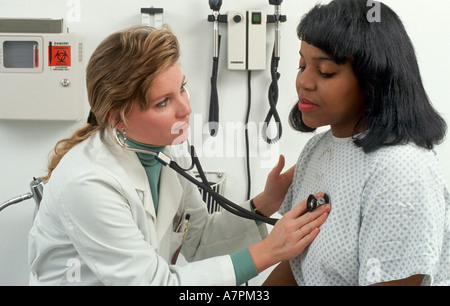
214,99
274,2
277,4
215,5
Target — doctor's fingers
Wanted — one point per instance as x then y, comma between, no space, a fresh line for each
311,225
306,223
300,234
311,220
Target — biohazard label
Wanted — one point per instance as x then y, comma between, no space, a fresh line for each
59,56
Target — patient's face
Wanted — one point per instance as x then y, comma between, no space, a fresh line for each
329,93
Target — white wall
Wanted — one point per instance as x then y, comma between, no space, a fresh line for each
24,145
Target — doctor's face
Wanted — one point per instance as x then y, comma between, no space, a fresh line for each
166,121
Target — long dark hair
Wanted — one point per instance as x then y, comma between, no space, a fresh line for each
397,108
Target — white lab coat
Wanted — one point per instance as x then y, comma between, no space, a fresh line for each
97,225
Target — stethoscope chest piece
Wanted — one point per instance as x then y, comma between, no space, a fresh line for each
312,203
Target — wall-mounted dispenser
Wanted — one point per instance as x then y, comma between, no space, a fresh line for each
41,71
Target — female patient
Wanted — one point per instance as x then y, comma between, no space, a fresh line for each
390,219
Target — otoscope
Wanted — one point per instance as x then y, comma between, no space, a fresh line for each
214,100
277,13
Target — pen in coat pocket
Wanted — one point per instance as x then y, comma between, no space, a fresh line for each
188,223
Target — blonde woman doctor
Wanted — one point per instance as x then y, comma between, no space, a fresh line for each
110,216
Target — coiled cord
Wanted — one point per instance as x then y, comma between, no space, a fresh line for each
273,100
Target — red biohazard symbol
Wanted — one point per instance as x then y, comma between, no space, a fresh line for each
59,56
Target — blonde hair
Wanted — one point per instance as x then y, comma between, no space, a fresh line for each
121,70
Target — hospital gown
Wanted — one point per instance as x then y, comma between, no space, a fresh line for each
389,217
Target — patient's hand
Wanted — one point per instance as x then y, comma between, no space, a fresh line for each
277,184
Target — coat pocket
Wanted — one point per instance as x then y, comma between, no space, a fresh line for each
175,246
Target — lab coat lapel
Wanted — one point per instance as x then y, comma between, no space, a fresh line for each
170,194
136,174
139,179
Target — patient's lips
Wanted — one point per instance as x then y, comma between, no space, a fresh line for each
306,105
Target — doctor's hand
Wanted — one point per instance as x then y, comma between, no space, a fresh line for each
290,235
277,184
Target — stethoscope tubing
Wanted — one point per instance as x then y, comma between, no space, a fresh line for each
221,200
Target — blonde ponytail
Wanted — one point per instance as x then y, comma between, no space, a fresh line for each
63,146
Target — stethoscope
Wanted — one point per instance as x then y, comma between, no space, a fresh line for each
204,184
312,202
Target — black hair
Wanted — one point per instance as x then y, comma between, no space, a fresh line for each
397,108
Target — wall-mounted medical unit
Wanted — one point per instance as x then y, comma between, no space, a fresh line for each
247,40
41,71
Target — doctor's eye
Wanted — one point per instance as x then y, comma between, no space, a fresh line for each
162,103
183,87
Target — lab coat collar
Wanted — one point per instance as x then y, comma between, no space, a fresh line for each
135,172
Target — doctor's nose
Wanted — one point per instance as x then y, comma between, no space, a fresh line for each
184,105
